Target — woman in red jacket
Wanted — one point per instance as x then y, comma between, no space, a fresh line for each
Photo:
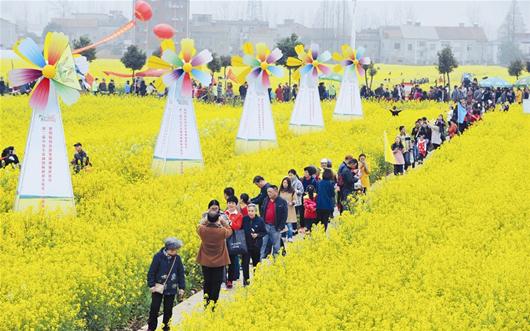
310,208
235,219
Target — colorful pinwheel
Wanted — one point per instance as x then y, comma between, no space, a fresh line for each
182,67
57,73
351,59
81,69
310,61
259,65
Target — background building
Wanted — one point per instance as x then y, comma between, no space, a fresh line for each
8,34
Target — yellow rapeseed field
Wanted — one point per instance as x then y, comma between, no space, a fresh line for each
88,271
445,247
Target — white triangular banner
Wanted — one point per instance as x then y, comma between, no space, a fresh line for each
526,106
256,128
45,180
348,104
178,145
307,112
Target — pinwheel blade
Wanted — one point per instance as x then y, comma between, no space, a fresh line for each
68,95
29,51
154,62
248,49
172,77
262,51
242,77
306,69
187,49
324,69
65,70
237,61
202,58
337,68
265,79
250,61
293,62
300,51
186,85
54,46
346,50
19,77
365,60
315,49
255,73
360,69
274,56
337,57
39,95
172,58
203,77
324,57
167,44
360,53
276,71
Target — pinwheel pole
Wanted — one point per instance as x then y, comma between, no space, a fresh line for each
45,183
307,112
178,145
256,128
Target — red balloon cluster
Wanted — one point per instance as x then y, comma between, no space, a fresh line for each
164,31
143,11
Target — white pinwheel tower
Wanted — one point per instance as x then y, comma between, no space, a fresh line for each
348,104
256,128
178,145
307,113
45,182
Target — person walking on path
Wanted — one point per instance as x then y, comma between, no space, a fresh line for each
235,219
325,198
213,256
263,185
399,161
165,279
255,230
288,193
274,211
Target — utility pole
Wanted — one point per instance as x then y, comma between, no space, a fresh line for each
353,20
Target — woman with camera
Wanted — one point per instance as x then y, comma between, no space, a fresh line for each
213,254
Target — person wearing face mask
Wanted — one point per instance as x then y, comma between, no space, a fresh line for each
213,257
165,279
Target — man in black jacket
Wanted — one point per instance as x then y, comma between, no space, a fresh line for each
274,211
263,185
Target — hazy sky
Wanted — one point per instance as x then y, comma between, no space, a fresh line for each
489,14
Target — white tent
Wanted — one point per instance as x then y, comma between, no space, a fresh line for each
177,146
256,128
307,113
526,106
45,180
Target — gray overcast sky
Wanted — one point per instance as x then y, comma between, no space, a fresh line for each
489,14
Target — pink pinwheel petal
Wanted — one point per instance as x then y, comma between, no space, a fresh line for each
324,69
360,69
274,56
172,77
265,79
186,85
18,77
202,58
39,95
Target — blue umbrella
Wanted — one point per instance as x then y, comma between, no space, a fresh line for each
494,82
525,81
334,76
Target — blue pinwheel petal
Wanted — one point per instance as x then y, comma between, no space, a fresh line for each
28,49
276,71
203,77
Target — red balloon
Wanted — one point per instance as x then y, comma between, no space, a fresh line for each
142,11
164,31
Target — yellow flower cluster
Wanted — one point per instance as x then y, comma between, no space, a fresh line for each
444,247
89,271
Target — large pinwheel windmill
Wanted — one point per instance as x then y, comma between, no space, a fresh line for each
178,145
307,113
45,177
256,128
348,104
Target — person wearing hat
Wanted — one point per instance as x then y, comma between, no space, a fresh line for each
81,159
165,279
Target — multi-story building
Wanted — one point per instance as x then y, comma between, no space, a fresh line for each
173,12
8,34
